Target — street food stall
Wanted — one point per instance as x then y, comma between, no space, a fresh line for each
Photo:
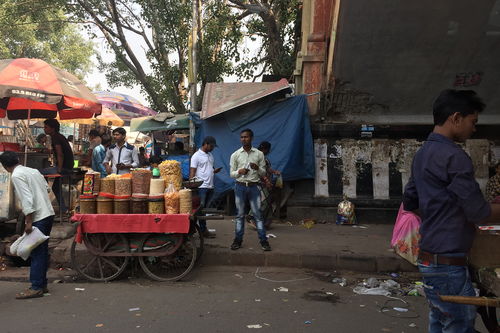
137,215
33,89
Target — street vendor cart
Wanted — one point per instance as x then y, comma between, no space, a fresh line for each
138,216
162,243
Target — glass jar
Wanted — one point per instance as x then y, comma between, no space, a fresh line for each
104,205
139,205
156,205
87,204
121,206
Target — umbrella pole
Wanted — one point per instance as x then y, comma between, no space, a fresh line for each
26,138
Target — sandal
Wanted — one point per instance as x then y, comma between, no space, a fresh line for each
30,293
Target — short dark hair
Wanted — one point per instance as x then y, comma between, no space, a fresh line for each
106,139
93,132
53,123
248,130
209,140
179,145
70,138
120,130
155,159
142,149
9,159
265,145
40,137
449,101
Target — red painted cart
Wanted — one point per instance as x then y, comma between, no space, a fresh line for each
162,243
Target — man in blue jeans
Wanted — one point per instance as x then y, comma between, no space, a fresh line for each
32,191
247,165
202,168
443,191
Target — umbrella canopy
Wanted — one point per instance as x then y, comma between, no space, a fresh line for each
31,88
149,124
125,106
107,117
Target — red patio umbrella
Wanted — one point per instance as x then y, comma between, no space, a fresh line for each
31,88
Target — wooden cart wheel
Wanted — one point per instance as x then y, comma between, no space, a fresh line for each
198,240
97,262
175,255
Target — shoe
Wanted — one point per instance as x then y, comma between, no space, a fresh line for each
208,234
45,290
265,246
30,293
236,245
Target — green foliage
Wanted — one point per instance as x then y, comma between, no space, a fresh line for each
40,29
275,24
162,28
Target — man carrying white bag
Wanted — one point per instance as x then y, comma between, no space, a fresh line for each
33,192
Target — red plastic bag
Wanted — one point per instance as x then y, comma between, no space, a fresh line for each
405,236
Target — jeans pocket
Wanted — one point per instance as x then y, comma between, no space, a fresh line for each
460,283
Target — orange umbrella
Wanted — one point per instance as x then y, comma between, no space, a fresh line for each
31,88
107,117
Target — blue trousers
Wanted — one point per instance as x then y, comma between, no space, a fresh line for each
447,317
206,195
40,256
251,194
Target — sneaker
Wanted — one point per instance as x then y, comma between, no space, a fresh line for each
265,245
236,245
208,234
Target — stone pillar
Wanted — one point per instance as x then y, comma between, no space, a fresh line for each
479,151
349,171
405,159
381,156
321,175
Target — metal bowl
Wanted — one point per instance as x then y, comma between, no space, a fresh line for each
192,184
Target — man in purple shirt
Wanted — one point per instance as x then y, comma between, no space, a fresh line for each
443,191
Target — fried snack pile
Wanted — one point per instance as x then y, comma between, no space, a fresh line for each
170,171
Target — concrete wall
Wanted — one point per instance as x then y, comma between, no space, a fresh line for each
393,57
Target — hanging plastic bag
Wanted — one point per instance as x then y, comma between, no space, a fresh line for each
171,200
279,182
405,236
23,246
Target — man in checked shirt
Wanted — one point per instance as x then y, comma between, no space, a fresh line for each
122,155
247,166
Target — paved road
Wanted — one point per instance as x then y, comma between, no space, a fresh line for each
213,299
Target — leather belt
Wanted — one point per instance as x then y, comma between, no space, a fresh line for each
247,184
430,258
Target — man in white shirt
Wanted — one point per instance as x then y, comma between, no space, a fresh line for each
122,155
202,167
33,192
247,166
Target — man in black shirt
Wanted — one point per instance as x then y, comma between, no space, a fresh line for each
63,158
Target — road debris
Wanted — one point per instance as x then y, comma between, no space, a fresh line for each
281,289
254,326
134,309
79,289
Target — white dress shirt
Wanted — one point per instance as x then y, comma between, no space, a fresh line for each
32,191
126,154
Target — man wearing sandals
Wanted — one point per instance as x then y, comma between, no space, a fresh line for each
33,193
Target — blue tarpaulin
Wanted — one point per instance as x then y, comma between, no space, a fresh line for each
284,124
